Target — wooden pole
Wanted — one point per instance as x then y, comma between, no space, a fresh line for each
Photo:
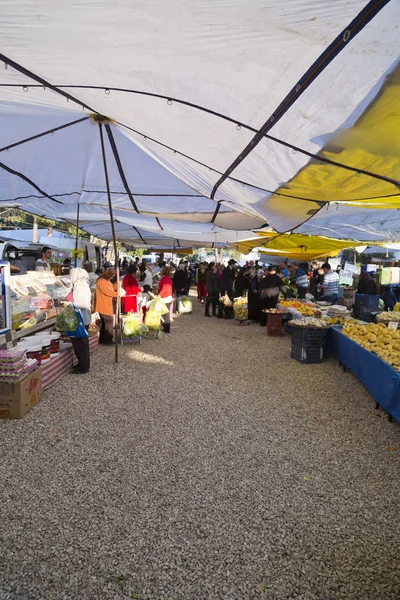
116,330
77,236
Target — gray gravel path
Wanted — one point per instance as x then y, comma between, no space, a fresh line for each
205,466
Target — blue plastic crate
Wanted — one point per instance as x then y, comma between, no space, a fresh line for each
367,300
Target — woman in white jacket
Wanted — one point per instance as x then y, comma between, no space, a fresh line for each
82,300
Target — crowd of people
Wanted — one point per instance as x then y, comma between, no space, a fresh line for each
215,284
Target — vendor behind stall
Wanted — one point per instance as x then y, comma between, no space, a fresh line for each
389,298
330,284
300,279
366,284
43,264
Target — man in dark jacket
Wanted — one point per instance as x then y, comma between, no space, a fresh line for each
226,287
242,281
212,287
180,280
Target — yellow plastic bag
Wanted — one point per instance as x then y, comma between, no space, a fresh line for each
240,308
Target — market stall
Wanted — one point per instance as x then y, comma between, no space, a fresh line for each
380,378
29,306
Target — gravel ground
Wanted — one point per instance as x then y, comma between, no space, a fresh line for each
206,465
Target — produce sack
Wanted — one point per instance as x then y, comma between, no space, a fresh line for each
133,327
80,331
67,319
152,320
226,301
240,308
157,305
184,305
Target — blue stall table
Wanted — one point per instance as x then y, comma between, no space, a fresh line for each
380,379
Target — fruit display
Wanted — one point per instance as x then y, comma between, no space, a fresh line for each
336,321
275,311
304,308
387,317
379,339
309,322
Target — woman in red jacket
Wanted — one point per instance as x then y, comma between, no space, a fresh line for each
165,292
132,289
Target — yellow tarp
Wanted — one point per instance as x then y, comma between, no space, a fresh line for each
372,144
295,246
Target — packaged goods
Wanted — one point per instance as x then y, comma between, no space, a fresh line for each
184,305
226,301
133,326
152,320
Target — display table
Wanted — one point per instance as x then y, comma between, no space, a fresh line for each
62,363
380,379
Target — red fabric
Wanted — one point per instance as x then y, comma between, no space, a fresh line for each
130,285
202,291
165,287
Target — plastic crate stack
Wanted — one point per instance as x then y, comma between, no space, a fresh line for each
308,344
365,307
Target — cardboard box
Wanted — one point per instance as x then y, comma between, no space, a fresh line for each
16,399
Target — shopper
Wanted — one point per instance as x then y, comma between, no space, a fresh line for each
270,288
129,303
330,284
212,286
226,288
389,298
124,264
43,264
254,296
165,292
103,304
300,280
366,285
180,281
66,267
284,269
146,276
82,299
315,279
201,280
189,277
242,281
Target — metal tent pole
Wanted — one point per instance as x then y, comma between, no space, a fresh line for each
116,330
77,235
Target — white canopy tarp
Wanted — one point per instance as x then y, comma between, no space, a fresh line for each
232,113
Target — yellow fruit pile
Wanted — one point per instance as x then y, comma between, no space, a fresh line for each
378,339
306,310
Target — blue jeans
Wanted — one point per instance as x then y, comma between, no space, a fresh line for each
333,298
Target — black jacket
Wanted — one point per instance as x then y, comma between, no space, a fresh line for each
271,285
212,281
180,280
228,277
242,283
367,286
